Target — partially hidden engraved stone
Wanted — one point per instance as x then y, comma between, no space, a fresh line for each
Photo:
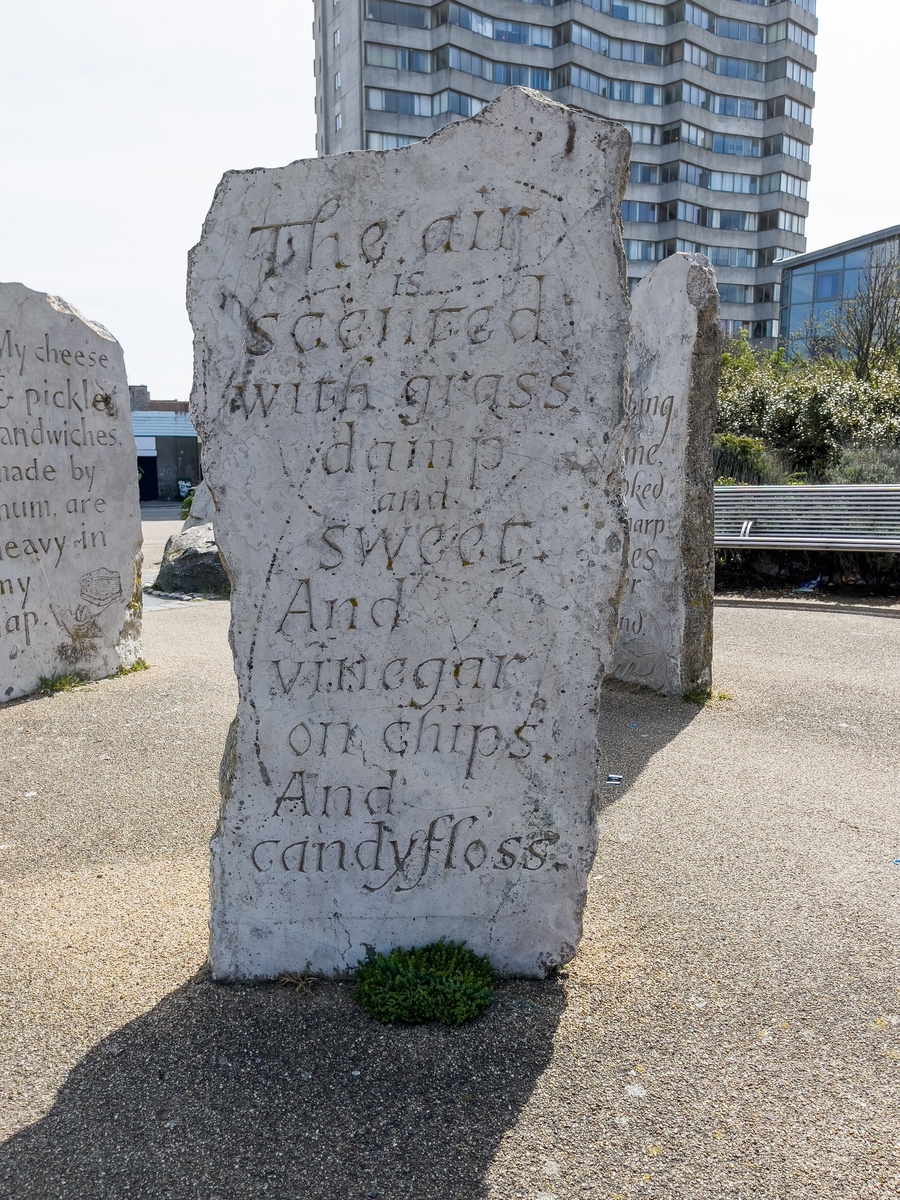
409,386
665,621
70,524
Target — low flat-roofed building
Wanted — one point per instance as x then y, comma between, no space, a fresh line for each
168,454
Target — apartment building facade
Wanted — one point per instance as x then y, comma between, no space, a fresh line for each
718,99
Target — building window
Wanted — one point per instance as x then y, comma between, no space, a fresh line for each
388,141
336,39
398,58
639,251
337,81
389,12
828,285
338,121
735,293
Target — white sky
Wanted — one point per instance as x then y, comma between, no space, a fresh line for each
118,118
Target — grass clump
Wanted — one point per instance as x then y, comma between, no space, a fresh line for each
444,982
139,664
705,696
48,685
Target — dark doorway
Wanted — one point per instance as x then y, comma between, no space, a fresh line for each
148,485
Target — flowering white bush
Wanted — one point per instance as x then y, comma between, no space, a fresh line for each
811,413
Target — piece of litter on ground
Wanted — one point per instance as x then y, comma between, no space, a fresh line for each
613,780
28,795
897,862
635,1091
810,585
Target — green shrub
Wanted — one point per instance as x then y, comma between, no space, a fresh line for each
867,464
185,511
744,460
806,412
442,982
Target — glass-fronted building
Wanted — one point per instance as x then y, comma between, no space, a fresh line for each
718,99
812,284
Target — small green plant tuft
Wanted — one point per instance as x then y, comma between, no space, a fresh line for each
139,664
443,982
50,684
185,511
705,696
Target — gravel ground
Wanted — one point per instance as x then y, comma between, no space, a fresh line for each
730,1027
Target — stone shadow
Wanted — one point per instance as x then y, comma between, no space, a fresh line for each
223,1092
634,725
232,1092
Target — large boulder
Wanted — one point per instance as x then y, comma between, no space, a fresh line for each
191,563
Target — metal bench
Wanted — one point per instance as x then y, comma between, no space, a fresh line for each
863,517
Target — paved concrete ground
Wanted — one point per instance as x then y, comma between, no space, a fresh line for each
160,520
730,1027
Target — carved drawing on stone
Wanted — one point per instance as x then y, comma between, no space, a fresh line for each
409,385
665,621
70,532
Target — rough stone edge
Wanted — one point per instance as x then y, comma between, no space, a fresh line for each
698,520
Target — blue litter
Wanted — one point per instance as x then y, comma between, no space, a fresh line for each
897,862
809,586
613,780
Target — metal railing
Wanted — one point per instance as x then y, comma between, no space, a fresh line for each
809,517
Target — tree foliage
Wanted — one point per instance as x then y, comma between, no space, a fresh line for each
809,413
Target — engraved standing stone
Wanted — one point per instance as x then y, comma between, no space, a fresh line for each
665,621
70,525
410,391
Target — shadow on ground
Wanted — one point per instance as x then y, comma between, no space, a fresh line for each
634,724
228,1092
232,1091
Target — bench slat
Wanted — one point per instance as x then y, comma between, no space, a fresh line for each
864,517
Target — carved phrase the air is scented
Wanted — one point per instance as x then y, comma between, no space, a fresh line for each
411,432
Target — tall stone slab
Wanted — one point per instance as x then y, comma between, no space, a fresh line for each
410,392
665,623
70,523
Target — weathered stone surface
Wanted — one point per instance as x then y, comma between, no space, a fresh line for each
70,525
202,507
665,621
191,563
409,387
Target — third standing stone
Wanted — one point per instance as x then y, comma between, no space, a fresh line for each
665,622
410,391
